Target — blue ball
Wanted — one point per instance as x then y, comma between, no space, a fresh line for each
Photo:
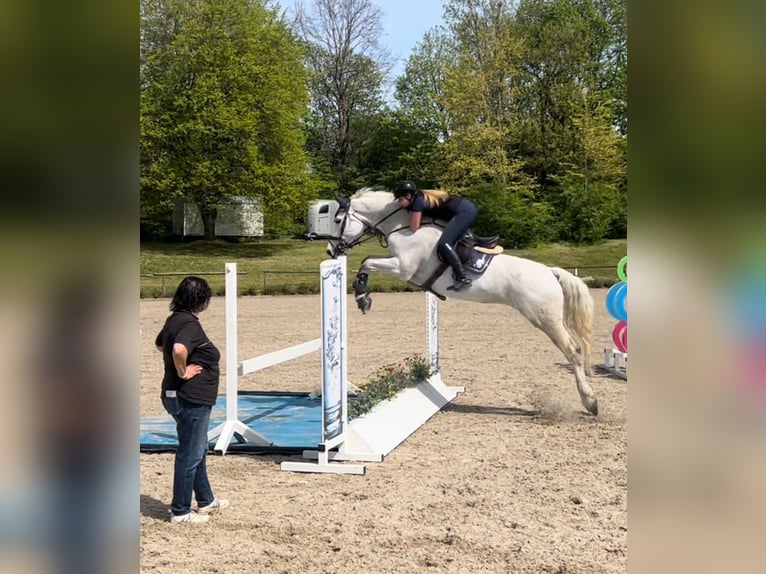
616,301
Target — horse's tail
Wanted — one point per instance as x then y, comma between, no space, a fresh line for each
578,312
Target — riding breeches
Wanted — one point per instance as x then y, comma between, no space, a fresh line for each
465,214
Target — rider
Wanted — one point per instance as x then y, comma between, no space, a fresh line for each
459,212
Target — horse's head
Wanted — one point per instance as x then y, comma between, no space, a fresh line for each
348,228
358,217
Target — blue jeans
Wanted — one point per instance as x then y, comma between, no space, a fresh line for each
190,473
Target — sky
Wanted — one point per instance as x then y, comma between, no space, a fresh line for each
404,23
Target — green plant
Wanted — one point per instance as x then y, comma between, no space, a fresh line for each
386,382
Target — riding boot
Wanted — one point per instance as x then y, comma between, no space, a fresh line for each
453,260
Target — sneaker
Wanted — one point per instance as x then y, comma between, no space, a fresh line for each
189,517
214,506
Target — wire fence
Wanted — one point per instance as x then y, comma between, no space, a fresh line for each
164,276
274,280
575,270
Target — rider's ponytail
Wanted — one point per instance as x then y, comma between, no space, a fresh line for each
434,197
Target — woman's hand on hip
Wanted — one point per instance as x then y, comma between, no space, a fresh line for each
191,371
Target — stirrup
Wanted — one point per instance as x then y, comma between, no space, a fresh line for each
460,283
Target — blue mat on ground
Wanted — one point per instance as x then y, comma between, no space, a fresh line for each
291,421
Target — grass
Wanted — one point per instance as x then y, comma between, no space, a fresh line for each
595,263
290,266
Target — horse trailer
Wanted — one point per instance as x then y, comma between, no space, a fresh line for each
321,222
237,217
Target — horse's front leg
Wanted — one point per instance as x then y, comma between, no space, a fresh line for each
386,265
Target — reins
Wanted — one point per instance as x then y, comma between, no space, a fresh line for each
370,231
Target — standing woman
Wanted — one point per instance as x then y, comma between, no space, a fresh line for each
189,391
459,212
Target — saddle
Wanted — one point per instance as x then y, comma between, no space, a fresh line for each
471,241
475,252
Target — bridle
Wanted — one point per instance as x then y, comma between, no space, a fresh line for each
369,230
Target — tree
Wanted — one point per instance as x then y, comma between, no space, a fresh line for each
223,91
512,213
570,138
612,55
487,52
396,147
479,93
348,68
591,183
422,90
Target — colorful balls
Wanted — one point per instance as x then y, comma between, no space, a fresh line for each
620,336
617,305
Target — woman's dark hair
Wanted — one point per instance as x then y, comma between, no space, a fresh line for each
193,295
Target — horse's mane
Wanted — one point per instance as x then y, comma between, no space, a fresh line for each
372,192
370,199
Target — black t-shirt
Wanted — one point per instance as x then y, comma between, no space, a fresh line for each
444,211
183,327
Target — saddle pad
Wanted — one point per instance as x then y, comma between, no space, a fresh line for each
478,262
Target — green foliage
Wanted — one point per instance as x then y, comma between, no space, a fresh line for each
590,200
421,91
611,54
156,221
520,105
512,214
222,95
395,148
589,211
533,97
386,382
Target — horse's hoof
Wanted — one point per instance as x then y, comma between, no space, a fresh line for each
364,302
593,407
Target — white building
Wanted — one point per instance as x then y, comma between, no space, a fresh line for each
237,217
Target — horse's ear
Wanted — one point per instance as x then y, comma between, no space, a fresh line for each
343,202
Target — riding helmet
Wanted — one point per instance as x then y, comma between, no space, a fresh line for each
404,188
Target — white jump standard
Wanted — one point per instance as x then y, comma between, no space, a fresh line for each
334,372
